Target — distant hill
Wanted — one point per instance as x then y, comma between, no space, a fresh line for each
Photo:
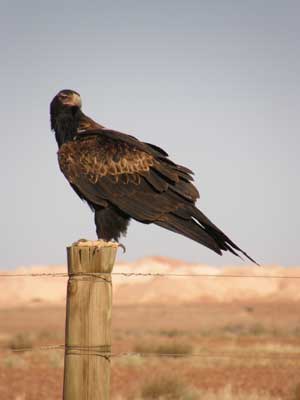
39,291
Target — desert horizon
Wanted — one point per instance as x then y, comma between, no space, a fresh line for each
245,283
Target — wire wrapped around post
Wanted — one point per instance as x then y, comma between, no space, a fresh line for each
88,322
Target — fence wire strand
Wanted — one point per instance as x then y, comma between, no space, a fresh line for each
92,352
142,274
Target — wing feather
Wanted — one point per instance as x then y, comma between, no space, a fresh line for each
134,176
111,168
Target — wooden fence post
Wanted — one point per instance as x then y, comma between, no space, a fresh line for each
88,322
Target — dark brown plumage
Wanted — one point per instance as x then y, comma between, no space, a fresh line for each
122,178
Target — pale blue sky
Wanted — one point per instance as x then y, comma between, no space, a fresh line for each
215,83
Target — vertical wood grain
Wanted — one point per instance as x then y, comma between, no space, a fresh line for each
88,322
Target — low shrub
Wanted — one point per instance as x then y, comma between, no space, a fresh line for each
167,388
21,341
173,347
296,393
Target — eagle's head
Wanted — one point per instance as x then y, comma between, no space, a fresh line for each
64,110
65,98
69,98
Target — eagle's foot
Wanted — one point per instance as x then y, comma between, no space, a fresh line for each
119,245
80,242
96,243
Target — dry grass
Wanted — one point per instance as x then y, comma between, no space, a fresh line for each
296,394
21,341
56,359
167,388
227,394
132,361
171,333
14,361
254,329
172,388
172,347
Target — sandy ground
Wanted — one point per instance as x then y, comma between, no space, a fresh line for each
240,337
246,348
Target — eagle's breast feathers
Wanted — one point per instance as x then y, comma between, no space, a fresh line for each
96,158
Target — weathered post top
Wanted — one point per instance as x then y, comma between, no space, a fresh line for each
87,258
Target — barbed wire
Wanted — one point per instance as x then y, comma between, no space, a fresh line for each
210,355
41,274
92,352
142,274
32,349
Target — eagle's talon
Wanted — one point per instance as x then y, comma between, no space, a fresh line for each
122,247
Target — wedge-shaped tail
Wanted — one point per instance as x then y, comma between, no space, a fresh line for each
196,226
